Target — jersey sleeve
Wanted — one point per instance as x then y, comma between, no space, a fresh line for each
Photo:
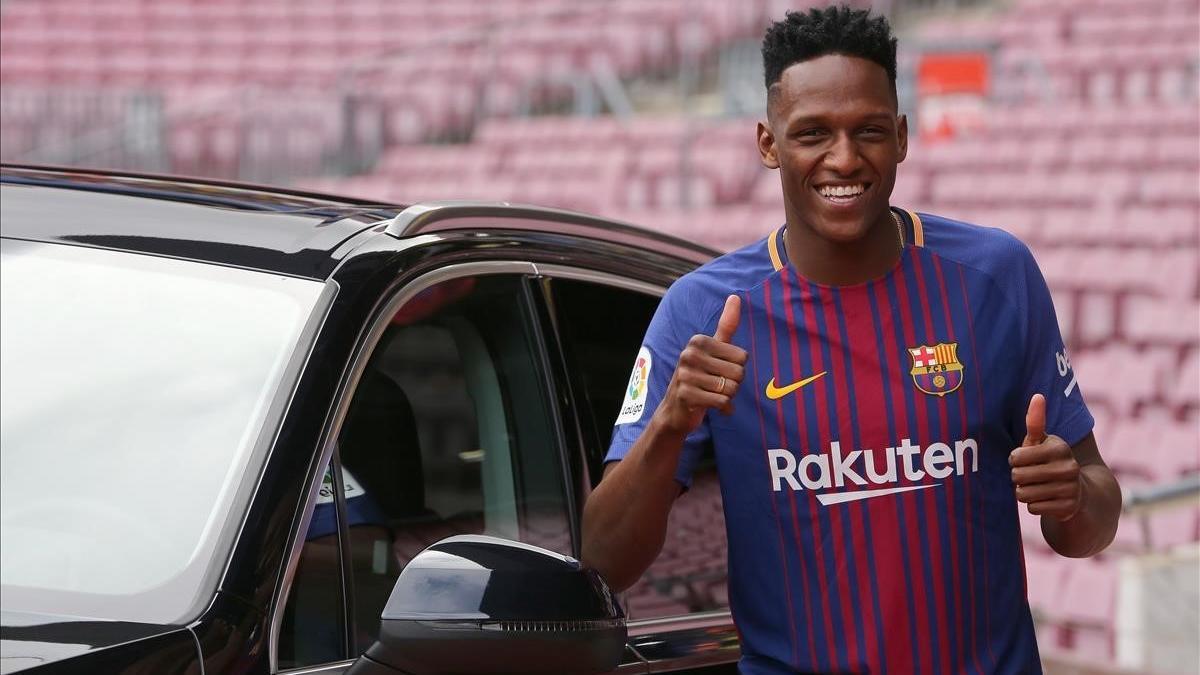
1045,366
669,331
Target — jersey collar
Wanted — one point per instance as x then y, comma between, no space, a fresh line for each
912,231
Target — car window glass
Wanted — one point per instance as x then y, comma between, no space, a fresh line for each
449,431
689,575
135,390
313,626
600,347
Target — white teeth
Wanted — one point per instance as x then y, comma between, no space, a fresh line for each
842,190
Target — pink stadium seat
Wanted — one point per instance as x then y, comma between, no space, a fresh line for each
1123,446
767,190
1045,573
1088,605
1162,321
1139,372
1184,388
1174,527
1155,447
1179,449
1133,534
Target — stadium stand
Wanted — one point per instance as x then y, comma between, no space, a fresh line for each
1090,152
412,69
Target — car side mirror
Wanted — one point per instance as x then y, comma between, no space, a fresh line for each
479,604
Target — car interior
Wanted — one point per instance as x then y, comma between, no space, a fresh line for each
431,441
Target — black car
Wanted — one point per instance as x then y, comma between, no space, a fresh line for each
232,416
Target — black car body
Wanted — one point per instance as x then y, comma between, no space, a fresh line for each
558,301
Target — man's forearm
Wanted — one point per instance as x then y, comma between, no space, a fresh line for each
625,518
1092,529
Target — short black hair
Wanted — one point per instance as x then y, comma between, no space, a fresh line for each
801,36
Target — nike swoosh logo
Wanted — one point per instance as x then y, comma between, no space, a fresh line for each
774,392
840,497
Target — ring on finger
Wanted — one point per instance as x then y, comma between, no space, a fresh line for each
721,384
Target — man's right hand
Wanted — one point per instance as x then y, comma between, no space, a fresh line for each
625,517
708,374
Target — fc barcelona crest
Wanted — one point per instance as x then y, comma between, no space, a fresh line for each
936,369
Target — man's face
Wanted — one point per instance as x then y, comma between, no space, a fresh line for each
833,132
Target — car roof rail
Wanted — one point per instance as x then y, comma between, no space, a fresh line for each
438,216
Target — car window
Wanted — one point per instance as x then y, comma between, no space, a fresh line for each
450,431
135,395
313,629
600,347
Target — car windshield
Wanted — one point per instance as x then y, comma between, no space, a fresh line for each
134,392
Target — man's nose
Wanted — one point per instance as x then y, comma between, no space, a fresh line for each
844,157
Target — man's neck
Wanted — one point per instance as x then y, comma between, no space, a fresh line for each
843,264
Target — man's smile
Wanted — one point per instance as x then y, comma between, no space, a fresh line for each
842,194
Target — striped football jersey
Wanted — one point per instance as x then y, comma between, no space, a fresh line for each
869,507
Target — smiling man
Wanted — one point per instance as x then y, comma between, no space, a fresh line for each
882,390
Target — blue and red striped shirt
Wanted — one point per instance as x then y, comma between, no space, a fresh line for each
870,512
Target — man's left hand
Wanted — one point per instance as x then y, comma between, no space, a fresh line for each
1044,469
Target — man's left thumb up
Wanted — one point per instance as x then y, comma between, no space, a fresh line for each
1035,421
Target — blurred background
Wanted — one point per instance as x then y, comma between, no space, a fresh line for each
1075,124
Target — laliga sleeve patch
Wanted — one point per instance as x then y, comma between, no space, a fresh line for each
637,390
349,484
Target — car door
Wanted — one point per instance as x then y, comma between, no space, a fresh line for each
450,425
678,612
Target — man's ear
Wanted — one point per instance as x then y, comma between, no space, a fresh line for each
902,136
766,146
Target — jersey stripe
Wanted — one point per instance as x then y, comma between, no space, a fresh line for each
922,575
810,570
971,574
816,545
832,548
980,392
913,308
816,408
938,414
849,381
787,584
954,322
953,410
917,646
858,525
807,580
839,517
